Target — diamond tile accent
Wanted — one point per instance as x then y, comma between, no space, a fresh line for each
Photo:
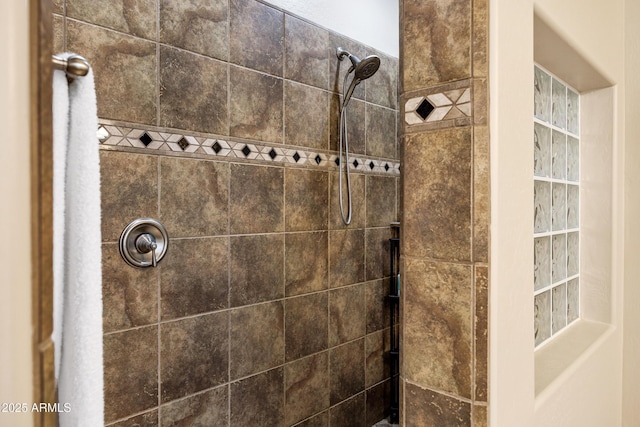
424,109
246,150
318,159
272,154
355,163
296,157
217,147
183,143
102,134
145,139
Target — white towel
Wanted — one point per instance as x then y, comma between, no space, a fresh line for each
78,297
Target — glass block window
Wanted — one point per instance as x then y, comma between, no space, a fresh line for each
556,190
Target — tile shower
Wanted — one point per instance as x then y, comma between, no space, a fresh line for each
445,212
220,120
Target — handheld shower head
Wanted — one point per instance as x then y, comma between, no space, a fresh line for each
362,68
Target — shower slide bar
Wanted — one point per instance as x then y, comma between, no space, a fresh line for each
394,309
74,66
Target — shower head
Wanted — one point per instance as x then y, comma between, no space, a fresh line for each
362,68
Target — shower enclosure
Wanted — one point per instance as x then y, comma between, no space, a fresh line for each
267,309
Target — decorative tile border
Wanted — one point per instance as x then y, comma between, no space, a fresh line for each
451,104
127,136
440,107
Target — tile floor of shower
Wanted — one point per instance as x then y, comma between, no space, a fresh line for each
384,423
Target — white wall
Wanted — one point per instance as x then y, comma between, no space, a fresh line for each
631,373
15,273
372,22
588,391
511,375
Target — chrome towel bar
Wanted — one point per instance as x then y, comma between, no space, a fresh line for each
74,66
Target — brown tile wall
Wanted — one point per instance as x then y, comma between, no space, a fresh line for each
267,310
444,213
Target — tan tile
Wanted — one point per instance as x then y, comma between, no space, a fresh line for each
338,69
437,332
257,338
307,55
346,364
255,109
480,43
134,389
194,354
356,129
125,71
306,204
381,131
194,197
58,34
377,256
480,103
320,420
480,416
481,333
306,387
258,400
381,201
257,273
196,101
428,408
346,314
128,189
357,200
198,26
437,217
306,262
350,413
376,358
382,87
306,116
205,409
437,42
194,277
378,402
129,295
481,194
306,325
137,17
149,419
377,305
256,36
346,257
58,6
256,199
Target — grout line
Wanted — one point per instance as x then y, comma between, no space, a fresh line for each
228,121
159,296
157,41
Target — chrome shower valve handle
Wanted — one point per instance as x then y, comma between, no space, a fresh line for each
146,243
143,243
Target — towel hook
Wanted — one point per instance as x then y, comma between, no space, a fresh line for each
144,242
